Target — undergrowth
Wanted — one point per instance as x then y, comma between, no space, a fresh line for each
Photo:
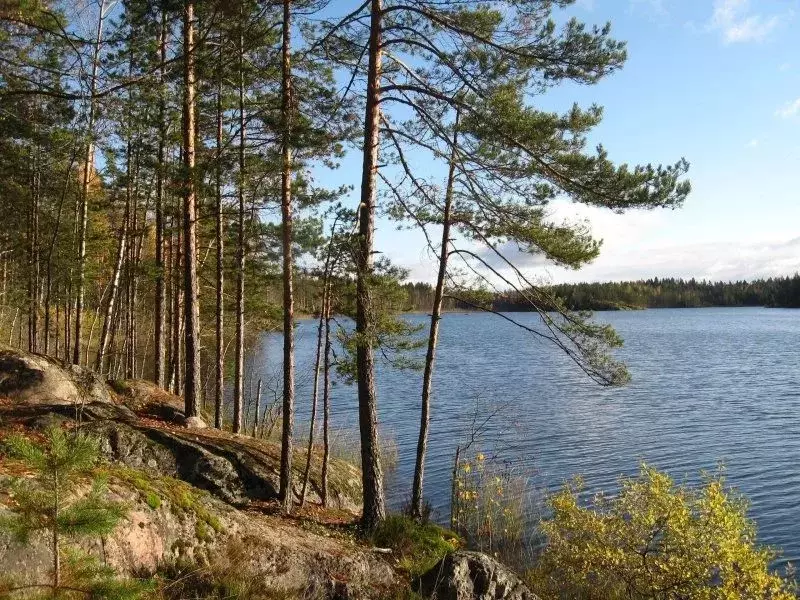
417,546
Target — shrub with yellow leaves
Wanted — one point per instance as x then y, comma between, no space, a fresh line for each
655,539
488,505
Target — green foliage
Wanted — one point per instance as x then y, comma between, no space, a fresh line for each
392,336
51,500
417,546
655,540
153,500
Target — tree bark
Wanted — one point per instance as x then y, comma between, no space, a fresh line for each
191,288
238,385
374,503
102,345
288,294
88,169
256,418
33,255
433,337
159,369
220,283
49,267
314,395
326,403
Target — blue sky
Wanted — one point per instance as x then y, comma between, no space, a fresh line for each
715,81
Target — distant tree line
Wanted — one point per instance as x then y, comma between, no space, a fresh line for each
779,292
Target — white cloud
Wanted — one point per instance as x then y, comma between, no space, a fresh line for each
785,67
715,261
734,20
753,143
789,110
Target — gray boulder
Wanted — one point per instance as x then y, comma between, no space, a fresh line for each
29,378
472,576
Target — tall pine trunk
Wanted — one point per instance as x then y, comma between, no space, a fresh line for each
88,169
238,384
33,254
159,335
191,289
374,503
288,295
433,337
220,283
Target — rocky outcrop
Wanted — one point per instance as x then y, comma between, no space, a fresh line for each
194,496
147,399
143,426
472,576
172,525
236,469
34,378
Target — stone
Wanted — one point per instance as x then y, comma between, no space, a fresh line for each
472,576
195,423
30,378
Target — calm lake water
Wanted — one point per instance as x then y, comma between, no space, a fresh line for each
709,386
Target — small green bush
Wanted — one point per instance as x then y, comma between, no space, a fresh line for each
418,547
153,500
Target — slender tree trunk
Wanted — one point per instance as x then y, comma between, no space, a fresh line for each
49,267
57,351
160,308
433,337
88,171
145,354
91,334
136,256
374,503
102,346
130,211
454,497
288,295
32,287
68,319
218,233
238,384
13,324
326,403
177,312
258,409
33,257
314,395
191,288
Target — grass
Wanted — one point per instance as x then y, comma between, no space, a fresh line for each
417,546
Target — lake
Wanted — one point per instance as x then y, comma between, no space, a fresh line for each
710,386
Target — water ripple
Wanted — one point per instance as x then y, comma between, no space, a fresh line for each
710,387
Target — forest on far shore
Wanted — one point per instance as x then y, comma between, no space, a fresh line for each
777,292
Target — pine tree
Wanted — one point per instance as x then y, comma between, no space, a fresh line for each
50,501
